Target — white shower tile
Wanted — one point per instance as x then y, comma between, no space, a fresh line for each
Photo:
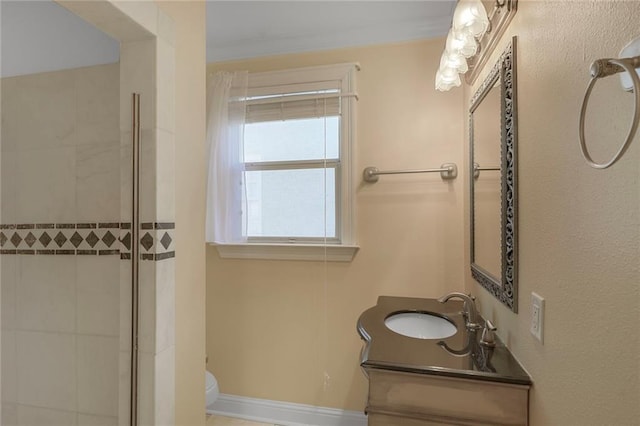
98,104
9,366
98,295
8,280
124,388
165,304
29,122
165,387
98,182
90,420
137,69
166,28
7,87
148,176
9,416
98,373
165,177
46,294
47,370
8,185
146,389
165,106
146,14
126,177
147,307
37,416
125,286
46,186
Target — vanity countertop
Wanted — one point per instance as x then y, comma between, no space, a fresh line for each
388,350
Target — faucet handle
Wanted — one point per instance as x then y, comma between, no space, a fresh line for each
488,334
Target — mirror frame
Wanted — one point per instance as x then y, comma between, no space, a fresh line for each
505,288
500,14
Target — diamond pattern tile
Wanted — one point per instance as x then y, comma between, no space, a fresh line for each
103,239
60,239
44,239
146,241
16,239
30,239
76,239
166,240
92,239
127,241
108,239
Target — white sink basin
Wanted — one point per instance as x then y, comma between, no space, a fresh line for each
420,325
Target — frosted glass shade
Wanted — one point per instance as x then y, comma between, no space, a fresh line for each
454,60
446,79
470,17
460,42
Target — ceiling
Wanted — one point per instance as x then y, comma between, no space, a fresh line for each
39,36
246,29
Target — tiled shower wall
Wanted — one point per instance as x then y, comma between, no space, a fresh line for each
63,334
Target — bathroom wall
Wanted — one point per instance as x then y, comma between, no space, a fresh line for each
579,228
189,23
173,115
286,330
61,291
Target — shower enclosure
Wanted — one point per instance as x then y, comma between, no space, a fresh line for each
64,310
86,227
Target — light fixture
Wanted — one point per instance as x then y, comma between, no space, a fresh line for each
470,23
462,43
470,17
455,61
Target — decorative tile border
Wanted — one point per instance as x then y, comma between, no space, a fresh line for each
125,241
157,240
96,238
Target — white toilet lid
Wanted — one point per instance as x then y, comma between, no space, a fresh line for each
211,381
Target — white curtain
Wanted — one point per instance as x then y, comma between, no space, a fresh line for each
226,108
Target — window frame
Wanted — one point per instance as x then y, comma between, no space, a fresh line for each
302,165
341,248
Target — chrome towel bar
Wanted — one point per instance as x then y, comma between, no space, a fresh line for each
477,169
447,171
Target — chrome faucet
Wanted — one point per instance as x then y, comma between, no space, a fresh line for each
488,339
469,311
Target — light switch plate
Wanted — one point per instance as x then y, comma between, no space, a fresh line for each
537,316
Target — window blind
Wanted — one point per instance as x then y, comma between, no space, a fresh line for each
292,107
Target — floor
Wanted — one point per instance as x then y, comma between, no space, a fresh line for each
228,421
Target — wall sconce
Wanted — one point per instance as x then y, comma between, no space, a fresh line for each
471,39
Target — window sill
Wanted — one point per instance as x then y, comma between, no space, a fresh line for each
314,252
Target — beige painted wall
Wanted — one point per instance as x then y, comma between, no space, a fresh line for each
579,228
188,17
274,328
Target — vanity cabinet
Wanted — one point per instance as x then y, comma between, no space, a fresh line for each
399,398
455,380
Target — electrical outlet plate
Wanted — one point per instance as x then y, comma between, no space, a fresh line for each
537,316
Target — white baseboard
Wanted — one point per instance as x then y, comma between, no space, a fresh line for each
284,413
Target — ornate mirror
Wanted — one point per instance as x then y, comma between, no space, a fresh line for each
493,175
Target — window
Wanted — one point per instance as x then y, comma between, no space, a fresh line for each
292,172
296,159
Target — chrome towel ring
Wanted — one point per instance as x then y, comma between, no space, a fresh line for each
603,68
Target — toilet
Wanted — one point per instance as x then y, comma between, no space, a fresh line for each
211,389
